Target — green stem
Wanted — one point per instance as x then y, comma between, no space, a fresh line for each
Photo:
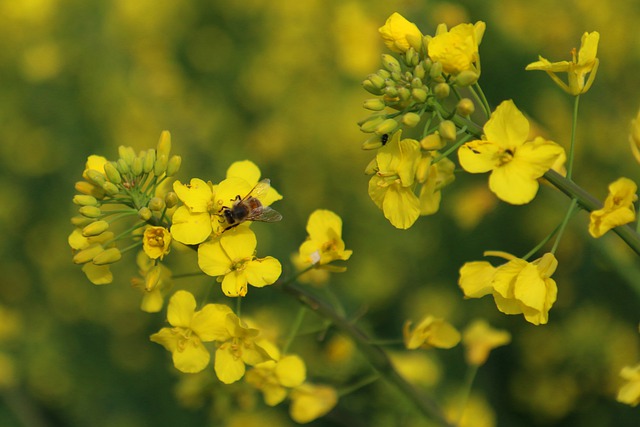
452,148
563,226
374,354
574,126
478,93
297,323
358,385
466,391
541,244
590,204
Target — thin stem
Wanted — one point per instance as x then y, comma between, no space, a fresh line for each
542,243
563,226
452,148
466,390
374,354
574,126
293,332
238,305
478,93
358,385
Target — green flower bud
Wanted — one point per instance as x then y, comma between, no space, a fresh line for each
377,80
404,93
466,78
374,142
441,90
123,167
136,167
88,188
432,142
383,73
95,228
374,104
152,278
419,94
436,71
416,83
164,144
149,160
372,167
108,256
390,63
371,123
396,76
81,221
127,154
87,254
156,204
411,57
386,126
160,165
144,213
371,88
447,130
95,177
411,119
110,188
85,200
391,91
171,199
112,173
174,165
419,71
465,107
90,211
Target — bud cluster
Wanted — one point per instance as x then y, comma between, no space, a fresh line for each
129,187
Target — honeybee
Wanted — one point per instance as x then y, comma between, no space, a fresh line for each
250,208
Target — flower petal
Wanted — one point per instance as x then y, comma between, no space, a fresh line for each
182,307
262,272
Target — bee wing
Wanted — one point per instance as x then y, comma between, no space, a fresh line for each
260,189
266,214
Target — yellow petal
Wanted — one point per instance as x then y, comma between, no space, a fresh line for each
239,243
228,367
291,371
401,206
192,358
182,307
212,259
507,127
475,279
246,170
513,184
196,196
190,228
309,402
210,322
479,156
166,338
399,34
263,272
98,274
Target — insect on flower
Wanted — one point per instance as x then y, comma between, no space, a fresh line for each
384,138
249,207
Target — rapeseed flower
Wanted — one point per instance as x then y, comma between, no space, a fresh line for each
156,242
629,393
457,49
479,339
311,401
274,377
324,243
430,332
399,34
618,207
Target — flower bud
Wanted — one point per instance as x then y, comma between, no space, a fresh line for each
466,78
127,154
174,165
87,254
171,199
123,167
374,142
441,90
465,107
422,172
404,93
149,160
411,57
432,142
85,200
95,228
386,126
90,211
390,63
152,278
377,80
81,221
447,130
374,104
419,94
112,173
156,204
88,188
411,119
419,71
110,188
391,91
144,213
372,167
136,166
371,123
95,177
108,256
160,165
371,88
164,144
396,76
436,71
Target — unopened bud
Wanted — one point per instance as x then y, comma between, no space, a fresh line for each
110,188
156,204
404,93
171,199
441,90
161,165
87,254
164,144
85,200
95,228
411,119
422,172
374,104
123,167
432,142
108,256
419,94
152,278
112,173
371,123
372,167
465,107
390,63
386,126
436,71
144,213
95,177
136,167
419,71
149,160
411,57
127,154
466,78
374,142
447,130
90,211
174,165
391,91
81,221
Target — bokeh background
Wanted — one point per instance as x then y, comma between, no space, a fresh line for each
278,82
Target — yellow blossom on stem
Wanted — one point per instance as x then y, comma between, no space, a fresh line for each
399,34
311,401
97,274
192,223
154,282
515,163
457,49
273,378
479,339
392,186
156,242
238,345
232,257
629,393
430,332
190,328
324,243
618,207
439,175
583,63
518,287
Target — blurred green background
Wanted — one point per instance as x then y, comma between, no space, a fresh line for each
278,82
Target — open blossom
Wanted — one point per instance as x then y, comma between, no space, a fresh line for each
582,63
618,208
275,377
324,243
629,393
479,339
399,34
515,163
430,332
457,49
156,242
518,287
311,401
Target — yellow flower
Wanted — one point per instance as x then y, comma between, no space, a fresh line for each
629,393
238,346
274,377
190,329
585,62
515,163
391,188
324,243
156,241
618,208
439,175
193,222
457,49
97,274
479,339
430,332
310,401
518,287
155,282
232,256
399,34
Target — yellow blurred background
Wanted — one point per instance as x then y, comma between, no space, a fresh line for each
278,82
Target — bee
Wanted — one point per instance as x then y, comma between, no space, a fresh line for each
249,207
384,138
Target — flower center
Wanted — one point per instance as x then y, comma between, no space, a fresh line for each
505,157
